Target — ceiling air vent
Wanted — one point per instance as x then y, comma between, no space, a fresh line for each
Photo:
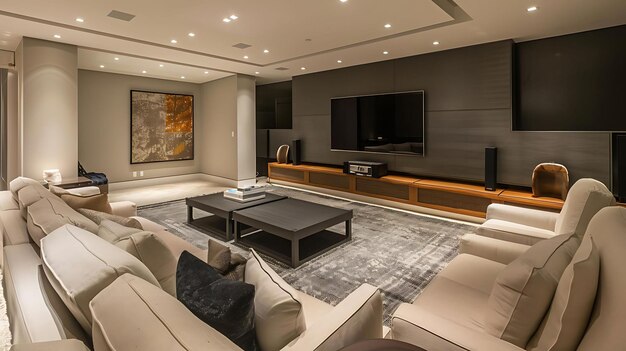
282,68
241,46
121,15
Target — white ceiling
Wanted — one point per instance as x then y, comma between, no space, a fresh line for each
351,31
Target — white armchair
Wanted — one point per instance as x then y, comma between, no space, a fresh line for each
526,226
452,312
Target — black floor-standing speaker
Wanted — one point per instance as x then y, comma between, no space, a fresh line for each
296,147
491,168
619,166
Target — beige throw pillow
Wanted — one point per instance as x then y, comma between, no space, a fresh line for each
20,182
97,217
567,319
79,265
30,194
145,246
279,317
46,215
98,202
523,291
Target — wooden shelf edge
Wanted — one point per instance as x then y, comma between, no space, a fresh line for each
500,195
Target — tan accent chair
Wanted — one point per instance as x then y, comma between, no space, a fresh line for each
282,154
551,180
528,226
584,313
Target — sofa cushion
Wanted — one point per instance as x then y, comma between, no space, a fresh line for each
97,217
224,304
279,316
7,202
13,228
46,215
79,265
131,314
523,291
230,265
98,202
30,194
146,247
566,321
460,292
20,182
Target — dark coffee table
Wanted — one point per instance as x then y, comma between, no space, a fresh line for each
221,223
292,231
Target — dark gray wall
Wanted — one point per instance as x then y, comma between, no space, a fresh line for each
468,107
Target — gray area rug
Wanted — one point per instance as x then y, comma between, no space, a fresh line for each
397,251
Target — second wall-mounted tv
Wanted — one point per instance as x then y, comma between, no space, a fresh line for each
386,123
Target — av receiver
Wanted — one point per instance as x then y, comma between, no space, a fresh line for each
364,168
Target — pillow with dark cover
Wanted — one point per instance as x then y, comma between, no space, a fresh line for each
226,305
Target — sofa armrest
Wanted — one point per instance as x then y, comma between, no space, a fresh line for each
84,191
413,324
513,232
59,345
124,208
491,248
358,317
521,215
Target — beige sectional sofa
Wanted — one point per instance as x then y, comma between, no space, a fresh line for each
68,288
563,293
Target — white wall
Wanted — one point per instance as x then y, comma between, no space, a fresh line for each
104,125
246,128
13,131
49,113
219,128
229,128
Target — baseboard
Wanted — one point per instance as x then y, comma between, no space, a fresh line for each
381,202
180,179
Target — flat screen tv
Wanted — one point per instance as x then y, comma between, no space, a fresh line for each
386,123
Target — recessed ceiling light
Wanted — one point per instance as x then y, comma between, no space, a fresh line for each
303,68
57,36
101,66
385,52
246,57
182,77
435,43
343,0
161,65
256,72
173,41
532,9
266,51
233,17
206,72
80,20
116,58
339,61
144,72
191,34
387,25
226,20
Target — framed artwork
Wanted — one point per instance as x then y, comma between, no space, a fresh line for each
161,127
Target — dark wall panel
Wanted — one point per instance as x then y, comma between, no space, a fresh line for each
476,77
468,104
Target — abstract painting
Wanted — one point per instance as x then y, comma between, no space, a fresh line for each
161,127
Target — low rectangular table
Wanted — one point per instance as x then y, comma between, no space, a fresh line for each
221,223
292,231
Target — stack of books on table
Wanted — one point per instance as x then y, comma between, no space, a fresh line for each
245,194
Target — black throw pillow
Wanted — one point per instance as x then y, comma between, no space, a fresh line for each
225,305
